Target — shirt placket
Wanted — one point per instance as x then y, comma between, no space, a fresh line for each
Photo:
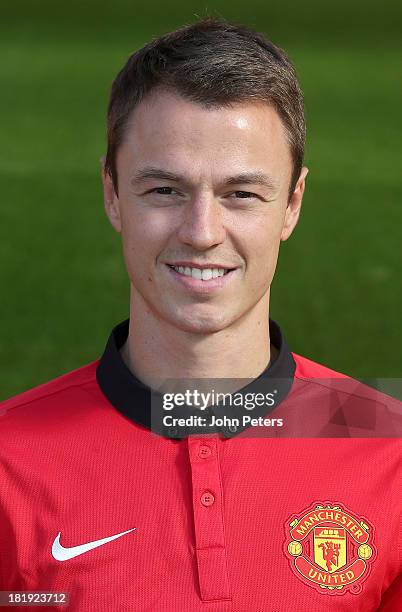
209,522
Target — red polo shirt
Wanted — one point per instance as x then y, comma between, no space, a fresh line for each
98,502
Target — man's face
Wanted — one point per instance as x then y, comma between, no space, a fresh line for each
202,188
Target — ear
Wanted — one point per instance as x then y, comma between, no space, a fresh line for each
294,205
110,199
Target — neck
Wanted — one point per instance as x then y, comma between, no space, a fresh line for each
157,350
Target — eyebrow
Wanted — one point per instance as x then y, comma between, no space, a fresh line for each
247,178
252,178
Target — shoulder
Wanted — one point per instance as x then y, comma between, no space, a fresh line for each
349,404
68,385
306,368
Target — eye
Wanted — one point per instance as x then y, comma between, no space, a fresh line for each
245,194
162,190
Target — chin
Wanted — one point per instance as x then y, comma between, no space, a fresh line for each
200,323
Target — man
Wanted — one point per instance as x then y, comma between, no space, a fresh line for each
113,494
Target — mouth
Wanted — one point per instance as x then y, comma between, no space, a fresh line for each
204,274
201,280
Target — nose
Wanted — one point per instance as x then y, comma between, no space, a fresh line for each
202,224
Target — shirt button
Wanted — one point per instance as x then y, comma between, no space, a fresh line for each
207,499
204,452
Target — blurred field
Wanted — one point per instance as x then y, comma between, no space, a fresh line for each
337,292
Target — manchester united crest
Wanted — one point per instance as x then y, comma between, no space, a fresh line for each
330,548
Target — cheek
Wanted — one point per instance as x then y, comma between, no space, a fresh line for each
144,235
261,247
262,239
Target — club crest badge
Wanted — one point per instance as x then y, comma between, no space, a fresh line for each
330,548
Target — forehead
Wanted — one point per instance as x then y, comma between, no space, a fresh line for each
165,126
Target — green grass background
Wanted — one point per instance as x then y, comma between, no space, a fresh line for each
337,290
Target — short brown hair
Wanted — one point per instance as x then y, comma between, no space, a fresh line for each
213,63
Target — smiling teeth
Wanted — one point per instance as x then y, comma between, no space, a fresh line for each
205,274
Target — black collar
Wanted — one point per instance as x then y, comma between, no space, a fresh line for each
143,405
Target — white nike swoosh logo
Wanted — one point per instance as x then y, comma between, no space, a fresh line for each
63,554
